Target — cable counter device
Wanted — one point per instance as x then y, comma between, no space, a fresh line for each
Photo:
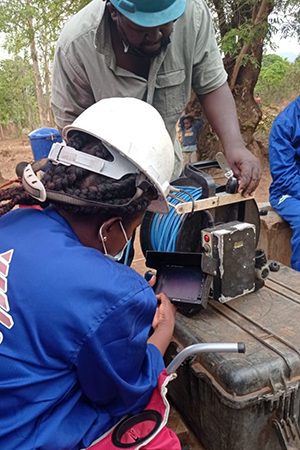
206,245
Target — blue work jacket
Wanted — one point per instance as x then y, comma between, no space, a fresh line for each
74,326
284,153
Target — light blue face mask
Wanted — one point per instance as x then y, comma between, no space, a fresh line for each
119,255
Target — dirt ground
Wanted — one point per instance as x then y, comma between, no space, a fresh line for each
13,151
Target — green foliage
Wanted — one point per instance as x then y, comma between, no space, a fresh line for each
230,42
251,59
273,73
17,93
288,23
235,38
237,24
279,79
25,20
247,124
242,25
31,28
41,21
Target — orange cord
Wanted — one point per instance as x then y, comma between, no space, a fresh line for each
17,180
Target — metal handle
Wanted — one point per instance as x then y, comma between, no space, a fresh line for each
223,163
195,172
237,347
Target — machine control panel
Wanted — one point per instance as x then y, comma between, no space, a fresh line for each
232,245
206,243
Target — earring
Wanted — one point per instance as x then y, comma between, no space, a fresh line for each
105,238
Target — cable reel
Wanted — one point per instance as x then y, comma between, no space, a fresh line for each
182,233
177,246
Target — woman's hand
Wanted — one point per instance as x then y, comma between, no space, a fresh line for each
165,313
163,323
152,281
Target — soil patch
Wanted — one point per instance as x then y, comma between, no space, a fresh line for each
13,151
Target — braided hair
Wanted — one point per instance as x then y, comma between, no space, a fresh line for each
75,181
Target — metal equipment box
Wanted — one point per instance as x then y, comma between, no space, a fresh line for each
232,245
251,401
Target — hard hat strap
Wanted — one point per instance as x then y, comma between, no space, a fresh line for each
116,169
78,201
37,190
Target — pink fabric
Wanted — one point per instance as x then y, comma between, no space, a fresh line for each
166,439
30,207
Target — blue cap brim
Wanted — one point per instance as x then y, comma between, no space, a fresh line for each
151,19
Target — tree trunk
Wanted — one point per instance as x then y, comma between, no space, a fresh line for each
28,109
262,15
47,85
38,84
36,70
242,79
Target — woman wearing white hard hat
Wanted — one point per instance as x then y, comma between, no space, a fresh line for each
75,355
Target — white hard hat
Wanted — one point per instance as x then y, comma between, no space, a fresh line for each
137,131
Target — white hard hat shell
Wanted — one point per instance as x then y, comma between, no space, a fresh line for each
137,131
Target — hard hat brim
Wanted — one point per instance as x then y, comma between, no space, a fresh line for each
154,19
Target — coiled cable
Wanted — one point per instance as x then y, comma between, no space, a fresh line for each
165,228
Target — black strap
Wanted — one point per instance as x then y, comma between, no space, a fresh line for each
142,187
129,422
74,200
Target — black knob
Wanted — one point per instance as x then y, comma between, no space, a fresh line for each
274,266
232,186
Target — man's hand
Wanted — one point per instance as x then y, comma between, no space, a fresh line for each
246,168
220,110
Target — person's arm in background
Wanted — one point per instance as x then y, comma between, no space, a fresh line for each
220,110
283,166
198,124
181,122
209,82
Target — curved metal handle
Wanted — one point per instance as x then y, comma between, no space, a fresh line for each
238,347
195,171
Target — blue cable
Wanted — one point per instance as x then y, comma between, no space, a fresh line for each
165,228
127,253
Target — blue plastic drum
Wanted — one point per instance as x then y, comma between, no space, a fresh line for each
41,141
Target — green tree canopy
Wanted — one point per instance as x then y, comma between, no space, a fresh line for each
279,79
33,27
18,102
273,70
